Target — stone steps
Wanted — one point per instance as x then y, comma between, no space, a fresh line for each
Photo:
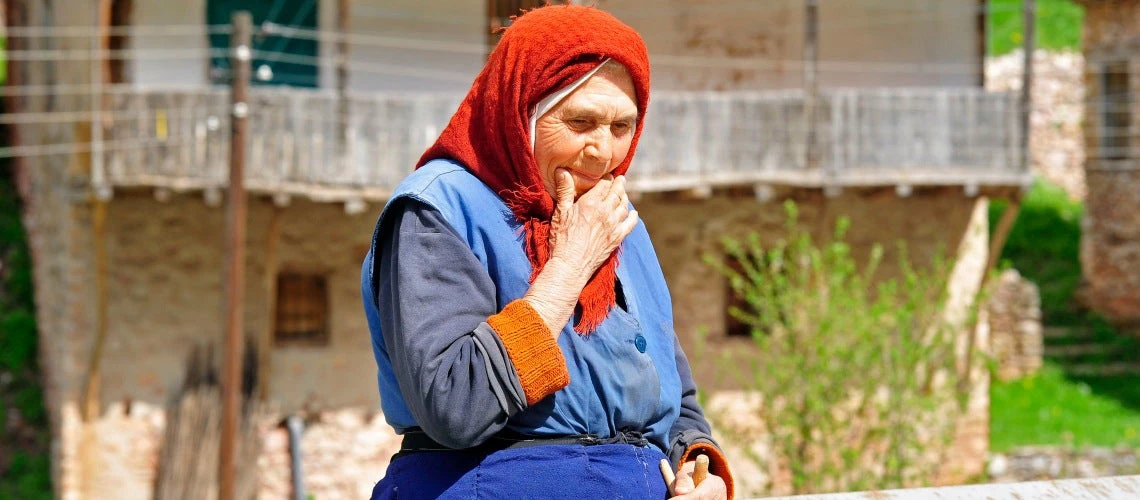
1077,350
1067,332
1103,369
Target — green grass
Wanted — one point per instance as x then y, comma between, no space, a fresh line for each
1058,25
1054,407
1051,408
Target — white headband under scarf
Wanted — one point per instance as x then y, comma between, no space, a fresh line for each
548,103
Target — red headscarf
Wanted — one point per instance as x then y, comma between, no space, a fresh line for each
543,51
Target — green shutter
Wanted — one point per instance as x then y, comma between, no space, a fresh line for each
269,50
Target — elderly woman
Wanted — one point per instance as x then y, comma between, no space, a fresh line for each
520,321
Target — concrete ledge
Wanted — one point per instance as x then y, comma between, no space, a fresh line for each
1119,487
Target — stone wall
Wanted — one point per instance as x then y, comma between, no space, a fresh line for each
1110,254
685,230
1040,463
343,453
1057,147
164,273
1014,307
166,280
931,221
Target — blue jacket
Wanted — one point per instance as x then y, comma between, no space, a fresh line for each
624,376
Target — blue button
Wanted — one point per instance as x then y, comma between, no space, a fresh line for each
639,342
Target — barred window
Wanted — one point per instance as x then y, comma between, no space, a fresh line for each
1116,112
302,311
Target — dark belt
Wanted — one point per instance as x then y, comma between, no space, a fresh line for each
417,441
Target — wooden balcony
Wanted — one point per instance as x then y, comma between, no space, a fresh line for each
179,139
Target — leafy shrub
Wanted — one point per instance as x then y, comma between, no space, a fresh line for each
857,372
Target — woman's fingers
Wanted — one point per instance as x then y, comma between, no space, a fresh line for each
683,485
628,224
564,186
712,487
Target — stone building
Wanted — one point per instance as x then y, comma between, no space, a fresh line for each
126,226
1110,255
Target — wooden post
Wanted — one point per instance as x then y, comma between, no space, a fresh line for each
100,194
342,28
265,344
811,83
1001,233
980,33
1029,11
15,15
235,252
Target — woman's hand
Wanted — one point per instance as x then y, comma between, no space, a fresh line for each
712,488
583,234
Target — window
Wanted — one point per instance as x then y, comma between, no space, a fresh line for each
300,67
302,312
1116,112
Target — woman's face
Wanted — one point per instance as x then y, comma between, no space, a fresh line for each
589,132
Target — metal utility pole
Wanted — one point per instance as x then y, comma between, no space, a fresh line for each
240,55
811,82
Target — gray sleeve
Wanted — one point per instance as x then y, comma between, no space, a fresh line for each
691,426
434,297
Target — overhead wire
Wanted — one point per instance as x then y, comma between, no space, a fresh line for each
1104,104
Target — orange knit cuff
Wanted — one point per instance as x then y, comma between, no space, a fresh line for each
538,360
718,465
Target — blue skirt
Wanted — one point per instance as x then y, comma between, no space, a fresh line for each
571,471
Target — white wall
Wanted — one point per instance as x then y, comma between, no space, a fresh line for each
188,71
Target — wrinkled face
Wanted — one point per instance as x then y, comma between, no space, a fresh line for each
589,132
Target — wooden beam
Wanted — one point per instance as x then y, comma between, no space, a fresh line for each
100,103
1001,232
91,383
980,37
1029,11
265,342
91,400
15,16
343,14
811,83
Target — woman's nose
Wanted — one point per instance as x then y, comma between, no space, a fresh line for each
600,146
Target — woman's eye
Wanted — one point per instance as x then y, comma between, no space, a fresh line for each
579,123
622,127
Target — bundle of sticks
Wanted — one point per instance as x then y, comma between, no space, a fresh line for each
188,462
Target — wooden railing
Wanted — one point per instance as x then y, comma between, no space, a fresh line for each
180,139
